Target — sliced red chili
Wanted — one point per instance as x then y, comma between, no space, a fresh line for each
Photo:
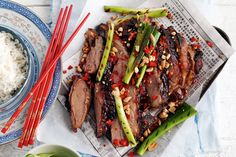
209,43
131,154
109,122
114,86
154,53
154,97
86,77
69,67
64,71
193,39
116,142
124,142
152,64
132,35
124,95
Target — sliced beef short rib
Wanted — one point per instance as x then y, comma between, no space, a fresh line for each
79,98
94,56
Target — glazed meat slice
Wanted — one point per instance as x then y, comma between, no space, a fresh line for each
122,51
94,56
117,133
118,71
120,67
155,87
98,106
133,103
170,46
79,98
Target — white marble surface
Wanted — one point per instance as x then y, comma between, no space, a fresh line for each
221,13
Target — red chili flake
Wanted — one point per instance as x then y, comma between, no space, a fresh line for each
154,97
137,75
131,154
132,81
154,53
116,142
73,77
64,71
69,67
124,142
209,43
152,64
86,77
109,122
124,95
114,86
132,35
148,50
193,39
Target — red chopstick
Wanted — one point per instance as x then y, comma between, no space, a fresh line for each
23,104
51,50
46,84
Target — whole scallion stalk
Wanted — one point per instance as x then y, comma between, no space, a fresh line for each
182,113
153,13
139,38
156,35
145,43
106,52
122,117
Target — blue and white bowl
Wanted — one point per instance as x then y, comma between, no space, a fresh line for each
36,36
17,36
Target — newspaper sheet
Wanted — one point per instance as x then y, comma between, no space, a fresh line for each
186,19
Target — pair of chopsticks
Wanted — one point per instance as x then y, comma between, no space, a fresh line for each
41,88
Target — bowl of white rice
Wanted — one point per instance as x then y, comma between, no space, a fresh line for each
14,65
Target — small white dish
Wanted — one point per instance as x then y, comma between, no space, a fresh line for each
57,150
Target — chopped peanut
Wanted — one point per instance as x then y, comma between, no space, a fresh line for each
153,146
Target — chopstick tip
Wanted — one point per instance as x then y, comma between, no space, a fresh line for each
4,130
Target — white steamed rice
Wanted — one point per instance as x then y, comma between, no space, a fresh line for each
13,66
